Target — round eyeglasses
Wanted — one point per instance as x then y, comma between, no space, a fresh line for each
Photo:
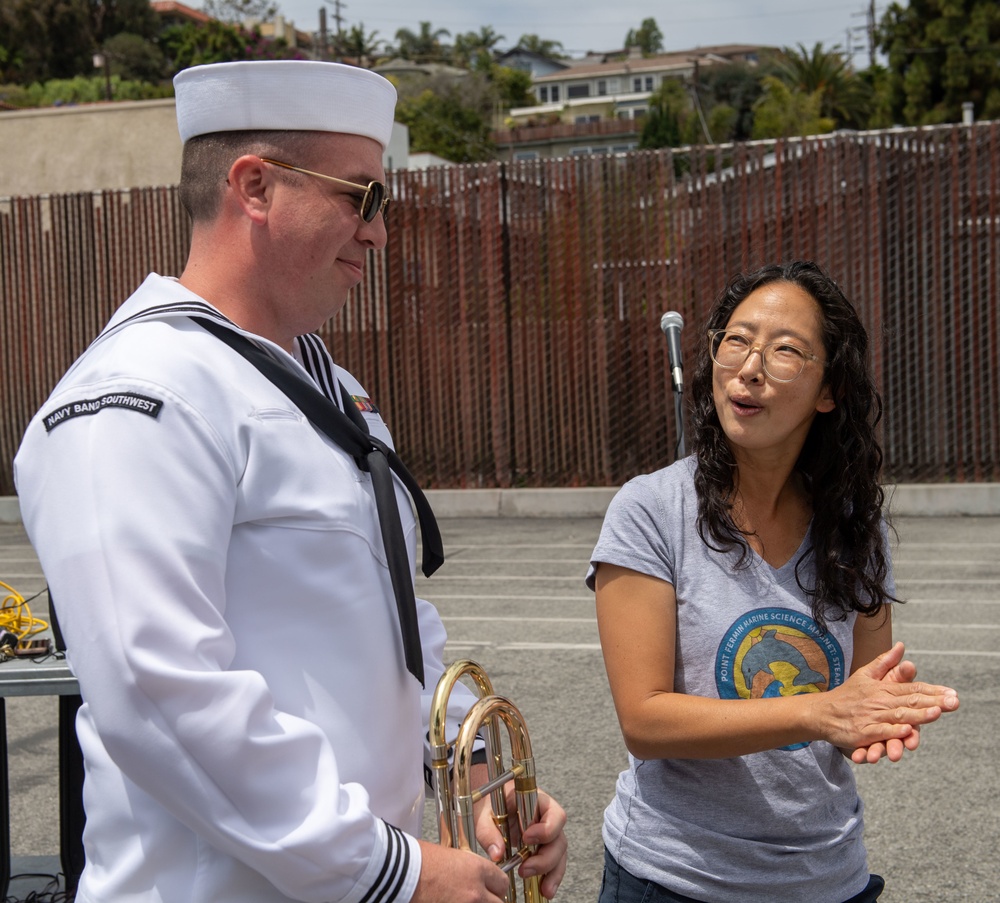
782,361
374,201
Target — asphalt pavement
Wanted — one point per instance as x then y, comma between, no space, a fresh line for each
512,597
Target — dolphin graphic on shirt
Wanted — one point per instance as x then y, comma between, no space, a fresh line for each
768,650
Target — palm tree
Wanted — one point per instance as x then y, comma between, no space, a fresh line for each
534,44
479,47
356,43
424,46
844,96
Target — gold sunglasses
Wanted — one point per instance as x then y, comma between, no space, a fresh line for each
375,200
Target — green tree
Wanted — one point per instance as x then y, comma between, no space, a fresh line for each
647,37
441,123
56,39
513,87
672,119
845,97
423,46
783,112
474,50
45,39
9,62
111,17
723,122
880,114
361,45
942,53
133,57
193,44
534,44
453,117
732,89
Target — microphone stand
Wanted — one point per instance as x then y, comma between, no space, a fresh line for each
671,324
679,450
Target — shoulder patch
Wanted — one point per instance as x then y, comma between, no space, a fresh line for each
128,400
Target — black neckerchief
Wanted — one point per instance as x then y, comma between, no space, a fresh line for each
350,432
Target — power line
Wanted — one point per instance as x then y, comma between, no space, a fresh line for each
869,29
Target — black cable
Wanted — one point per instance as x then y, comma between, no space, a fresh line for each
48,894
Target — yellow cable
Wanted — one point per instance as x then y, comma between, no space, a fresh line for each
15,615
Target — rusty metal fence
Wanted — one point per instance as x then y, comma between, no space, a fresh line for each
510,330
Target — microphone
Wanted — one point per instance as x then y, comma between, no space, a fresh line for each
671,323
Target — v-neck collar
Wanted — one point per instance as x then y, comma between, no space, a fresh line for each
785,572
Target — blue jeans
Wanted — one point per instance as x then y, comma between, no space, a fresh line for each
621,886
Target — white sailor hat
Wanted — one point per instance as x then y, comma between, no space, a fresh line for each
296,95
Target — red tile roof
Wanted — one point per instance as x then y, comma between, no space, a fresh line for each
172,7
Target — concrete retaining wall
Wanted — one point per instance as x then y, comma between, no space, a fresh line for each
125,144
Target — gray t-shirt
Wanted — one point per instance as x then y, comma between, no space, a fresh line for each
781,825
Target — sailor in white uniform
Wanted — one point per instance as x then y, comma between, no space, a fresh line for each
250,729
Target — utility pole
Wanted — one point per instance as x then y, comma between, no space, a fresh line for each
338,18
871,34
324,36
697,102
868,28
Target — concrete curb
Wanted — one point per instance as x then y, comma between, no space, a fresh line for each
909,500
587,502
944,499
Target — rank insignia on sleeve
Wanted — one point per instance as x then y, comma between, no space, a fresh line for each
130,401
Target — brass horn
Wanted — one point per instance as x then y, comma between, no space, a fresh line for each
456,827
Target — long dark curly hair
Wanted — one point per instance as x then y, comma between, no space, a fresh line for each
840,462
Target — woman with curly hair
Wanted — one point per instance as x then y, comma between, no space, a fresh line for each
743,601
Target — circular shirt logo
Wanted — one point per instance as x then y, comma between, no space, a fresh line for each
773,652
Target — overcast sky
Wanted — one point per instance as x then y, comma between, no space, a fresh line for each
582,25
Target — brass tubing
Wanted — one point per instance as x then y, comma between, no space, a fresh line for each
440,747
522,771
454,795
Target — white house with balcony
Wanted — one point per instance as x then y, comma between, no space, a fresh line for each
619,85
